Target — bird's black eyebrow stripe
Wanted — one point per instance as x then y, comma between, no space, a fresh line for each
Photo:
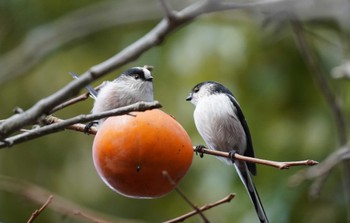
135,71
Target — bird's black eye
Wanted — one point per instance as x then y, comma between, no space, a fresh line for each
136,76
196,89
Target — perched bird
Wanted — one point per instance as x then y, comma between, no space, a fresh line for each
133,85
221,123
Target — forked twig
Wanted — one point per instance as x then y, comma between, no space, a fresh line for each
37,212
182,194
181,218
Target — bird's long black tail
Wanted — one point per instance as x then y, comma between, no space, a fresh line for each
91,90
246,179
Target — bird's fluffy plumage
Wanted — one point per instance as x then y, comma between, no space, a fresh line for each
221,123
124,90
221,127
133,85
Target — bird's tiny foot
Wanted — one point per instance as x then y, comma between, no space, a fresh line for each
232,155
89,125
199,150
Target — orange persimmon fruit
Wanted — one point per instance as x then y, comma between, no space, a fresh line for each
130,153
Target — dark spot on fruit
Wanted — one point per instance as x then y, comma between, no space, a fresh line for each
138,168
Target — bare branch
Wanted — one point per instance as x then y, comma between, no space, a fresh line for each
331,98
72,101
37,212
41,41
182,218
182,194
320,79
169,13
61,125
59,204
75,127
323,168
133,51
279,165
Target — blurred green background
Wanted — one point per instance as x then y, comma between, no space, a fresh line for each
256,59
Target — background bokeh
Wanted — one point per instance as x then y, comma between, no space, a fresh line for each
252,52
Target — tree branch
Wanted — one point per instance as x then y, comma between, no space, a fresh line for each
72,101
182,218
183,196
61,205
37,212
60,125
276,164
42,40
320,79
332,100
323,168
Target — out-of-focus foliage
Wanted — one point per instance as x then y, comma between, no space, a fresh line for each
287,115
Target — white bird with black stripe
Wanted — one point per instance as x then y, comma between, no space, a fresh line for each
222,125
133,85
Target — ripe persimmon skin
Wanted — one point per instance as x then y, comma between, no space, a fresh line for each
130,153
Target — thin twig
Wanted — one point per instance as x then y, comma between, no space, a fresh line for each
61,125
182,218
40,41
323,168
37,212
87,217
59,204
72,101
319,76
277,164
320,79
76,99
182,194
169,13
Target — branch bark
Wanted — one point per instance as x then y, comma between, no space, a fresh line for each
183,196
59,204
42,40
59,125
332,100
182,218
37,212
323,168
276,164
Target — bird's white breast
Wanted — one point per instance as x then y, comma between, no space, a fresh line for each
216,120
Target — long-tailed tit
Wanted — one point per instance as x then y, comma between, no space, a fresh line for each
133,85
221,123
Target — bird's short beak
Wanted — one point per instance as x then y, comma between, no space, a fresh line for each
149,78
189,97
